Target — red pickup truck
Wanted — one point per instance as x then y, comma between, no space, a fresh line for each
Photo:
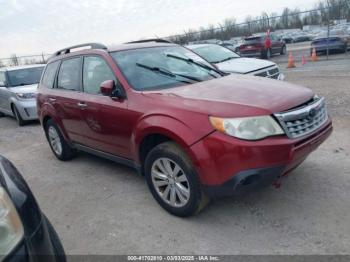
191,130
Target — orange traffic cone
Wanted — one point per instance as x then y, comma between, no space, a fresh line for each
314,55
291,63
303,60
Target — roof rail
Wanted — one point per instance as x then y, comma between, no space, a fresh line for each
156,40
67,50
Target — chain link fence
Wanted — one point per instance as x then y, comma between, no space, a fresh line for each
293,26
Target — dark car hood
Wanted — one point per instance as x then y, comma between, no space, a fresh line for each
235,95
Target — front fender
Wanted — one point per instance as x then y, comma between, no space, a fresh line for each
167,126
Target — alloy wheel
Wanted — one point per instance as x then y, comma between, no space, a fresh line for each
55,140
170,182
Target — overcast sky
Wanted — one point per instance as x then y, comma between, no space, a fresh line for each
33,26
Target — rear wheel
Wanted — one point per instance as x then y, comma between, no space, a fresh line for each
18,117
59,146
345,48
173,181
284,50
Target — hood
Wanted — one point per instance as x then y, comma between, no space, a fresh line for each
25,89
235,95
243,65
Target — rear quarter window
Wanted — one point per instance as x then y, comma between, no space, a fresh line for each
49,74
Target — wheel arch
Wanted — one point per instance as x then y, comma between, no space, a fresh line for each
154,130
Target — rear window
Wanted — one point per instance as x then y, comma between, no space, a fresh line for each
49,75
253,40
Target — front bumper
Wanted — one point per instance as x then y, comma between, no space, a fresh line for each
252,53
281,77
27,109
231,165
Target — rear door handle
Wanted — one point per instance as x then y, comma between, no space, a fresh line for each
82,104
52,99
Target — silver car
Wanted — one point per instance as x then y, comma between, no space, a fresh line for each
18,87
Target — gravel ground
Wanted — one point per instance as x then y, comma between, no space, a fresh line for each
99,207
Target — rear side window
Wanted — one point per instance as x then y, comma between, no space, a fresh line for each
69,74
49,75
95,72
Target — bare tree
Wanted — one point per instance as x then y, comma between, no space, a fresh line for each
324,10
14,60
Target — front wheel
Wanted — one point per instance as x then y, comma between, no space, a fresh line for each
345,48
283,50
59,146
173,181
18,116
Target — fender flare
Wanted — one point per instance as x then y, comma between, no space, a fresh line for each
158,124
48,110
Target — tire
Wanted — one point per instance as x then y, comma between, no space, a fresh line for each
59,146
283,50
18,117
184,196
56,243
345,48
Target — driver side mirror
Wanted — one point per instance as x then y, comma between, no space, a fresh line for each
108,88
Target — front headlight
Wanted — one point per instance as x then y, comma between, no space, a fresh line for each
26,95
248,128
11,228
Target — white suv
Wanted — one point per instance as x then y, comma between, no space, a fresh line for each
18,87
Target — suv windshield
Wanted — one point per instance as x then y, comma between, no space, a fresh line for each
160,67
22,77
215,53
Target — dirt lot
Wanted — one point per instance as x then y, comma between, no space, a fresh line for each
99,207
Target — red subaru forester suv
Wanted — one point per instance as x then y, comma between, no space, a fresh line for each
191,130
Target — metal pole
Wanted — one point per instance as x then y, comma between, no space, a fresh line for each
328,28
42,56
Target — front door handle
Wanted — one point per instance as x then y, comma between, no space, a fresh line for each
82,104
52,99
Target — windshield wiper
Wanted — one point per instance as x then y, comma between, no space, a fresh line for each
226,59
169,74
191,61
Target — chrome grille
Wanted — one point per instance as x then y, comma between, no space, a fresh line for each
262,74
273,71
270,73
304,120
